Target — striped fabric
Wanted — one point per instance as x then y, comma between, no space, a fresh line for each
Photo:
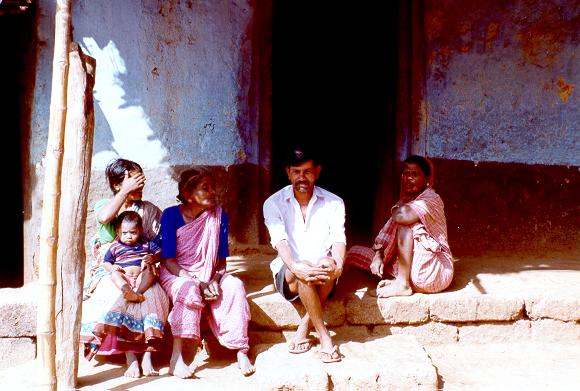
432,266
228,316
124,256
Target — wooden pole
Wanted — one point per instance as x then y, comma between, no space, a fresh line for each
76,168
45,328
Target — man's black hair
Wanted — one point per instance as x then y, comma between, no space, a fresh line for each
300,154
421,162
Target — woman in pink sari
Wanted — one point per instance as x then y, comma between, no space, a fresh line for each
412,246
194,237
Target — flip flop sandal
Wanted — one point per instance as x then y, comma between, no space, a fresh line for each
294,346
332,356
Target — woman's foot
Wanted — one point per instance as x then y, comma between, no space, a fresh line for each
393,288
132,366
177,367
244,364
147,365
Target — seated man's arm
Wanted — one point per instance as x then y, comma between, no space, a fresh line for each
301,270
338,252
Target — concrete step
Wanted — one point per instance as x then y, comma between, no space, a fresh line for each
17,325
390,363
492,299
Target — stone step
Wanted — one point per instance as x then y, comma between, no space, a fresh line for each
387,363
490,300
17,325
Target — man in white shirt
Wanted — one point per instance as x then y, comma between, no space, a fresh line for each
306,226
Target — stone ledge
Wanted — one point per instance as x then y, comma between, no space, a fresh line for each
16,351
18,311
455,307
271,311
559,308
365,309
393,362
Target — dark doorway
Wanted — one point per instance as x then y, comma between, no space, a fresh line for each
334,81
17,73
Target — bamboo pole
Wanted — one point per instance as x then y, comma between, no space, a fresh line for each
76,168
45,328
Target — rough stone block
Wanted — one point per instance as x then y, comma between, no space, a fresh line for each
272,311
370,310
349,333
288,371
18,312
550,330
430,333
258,337
388,363
504,332
16,351
474,308
554,307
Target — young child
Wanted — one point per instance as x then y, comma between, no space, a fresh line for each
130,259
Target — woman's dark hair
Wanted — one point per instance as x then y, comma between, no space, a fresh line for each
188,180
421,162
129,216
115,171
300,154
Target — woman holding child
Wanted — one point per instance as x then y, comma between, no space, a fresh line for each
127,309
194,238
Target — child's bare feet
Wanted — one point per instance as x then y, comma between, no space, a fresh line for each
132,296
132,366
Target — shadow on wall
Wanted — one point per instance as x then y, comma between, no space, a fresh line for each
241,198
507,208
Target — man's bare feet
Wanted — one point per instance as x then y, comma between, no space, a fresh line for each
245,365
147,365
388,288
132,366
177,367
133,296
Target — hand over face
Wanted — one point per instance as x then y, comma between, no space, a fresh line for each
134,182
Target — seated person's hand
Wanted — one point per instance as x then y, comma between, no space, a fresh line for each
310,273
117,268
377,265
330,266
210,290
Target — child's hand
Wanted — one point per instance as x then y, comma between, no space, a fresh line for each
150,266
148,259
117,268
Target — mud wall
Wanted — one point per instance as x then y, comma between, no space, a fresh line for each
176,85
503,122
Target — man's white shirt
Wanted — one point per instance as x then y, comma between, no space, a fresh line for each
308,239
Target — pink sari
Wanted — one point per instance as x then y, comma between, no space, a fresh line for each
228,316
432,266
